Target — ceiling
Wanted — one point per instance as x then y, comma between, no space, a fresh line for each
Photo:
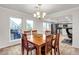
48,8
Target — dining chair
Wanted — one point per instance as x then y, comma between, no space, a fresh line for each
55,44
34,31
26,45
48,46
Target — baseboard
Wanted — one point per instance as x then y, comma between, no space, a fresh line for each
75,46
7,44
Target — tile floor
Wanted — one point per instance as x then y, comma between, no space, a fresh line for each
65,49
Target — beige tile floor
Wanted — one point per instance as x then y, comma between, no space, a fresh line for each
65,49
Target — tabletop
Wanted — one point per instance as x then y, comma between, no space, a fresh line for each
37,39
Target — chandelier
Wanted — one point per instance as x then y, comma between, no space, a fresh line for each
39,14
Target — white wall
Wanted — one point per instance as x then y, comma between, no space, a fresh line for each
38,25
4,25
75,22
76,29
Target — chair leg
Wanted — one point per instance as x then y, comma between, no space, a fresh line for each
27,51
31,52
22,50
55,51
51,52
58,51
36,52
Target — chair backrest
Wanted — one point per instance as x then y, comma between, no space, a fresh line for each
27,32
48,45
24,40
34,31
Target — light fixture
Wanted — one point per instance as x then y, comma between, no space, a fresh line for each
39,14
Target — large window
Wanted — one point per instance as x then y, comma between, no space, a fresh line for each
29,24
46,26
15,28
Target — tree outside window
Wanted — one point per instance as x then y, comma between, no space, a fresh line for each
15,28
29,24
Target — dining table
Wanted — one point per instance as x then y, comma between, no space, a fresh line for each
38,40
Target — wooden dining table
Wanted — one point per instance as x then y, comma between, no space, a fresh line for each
38,41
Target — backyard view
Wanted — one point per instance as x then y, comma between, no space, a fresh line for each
15,28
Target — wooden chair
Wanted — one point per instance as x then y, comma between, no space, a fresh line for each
55,44
27,32
48,46
26,45
34,31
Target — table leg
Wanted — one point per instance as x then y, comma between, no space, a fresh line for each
38,52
